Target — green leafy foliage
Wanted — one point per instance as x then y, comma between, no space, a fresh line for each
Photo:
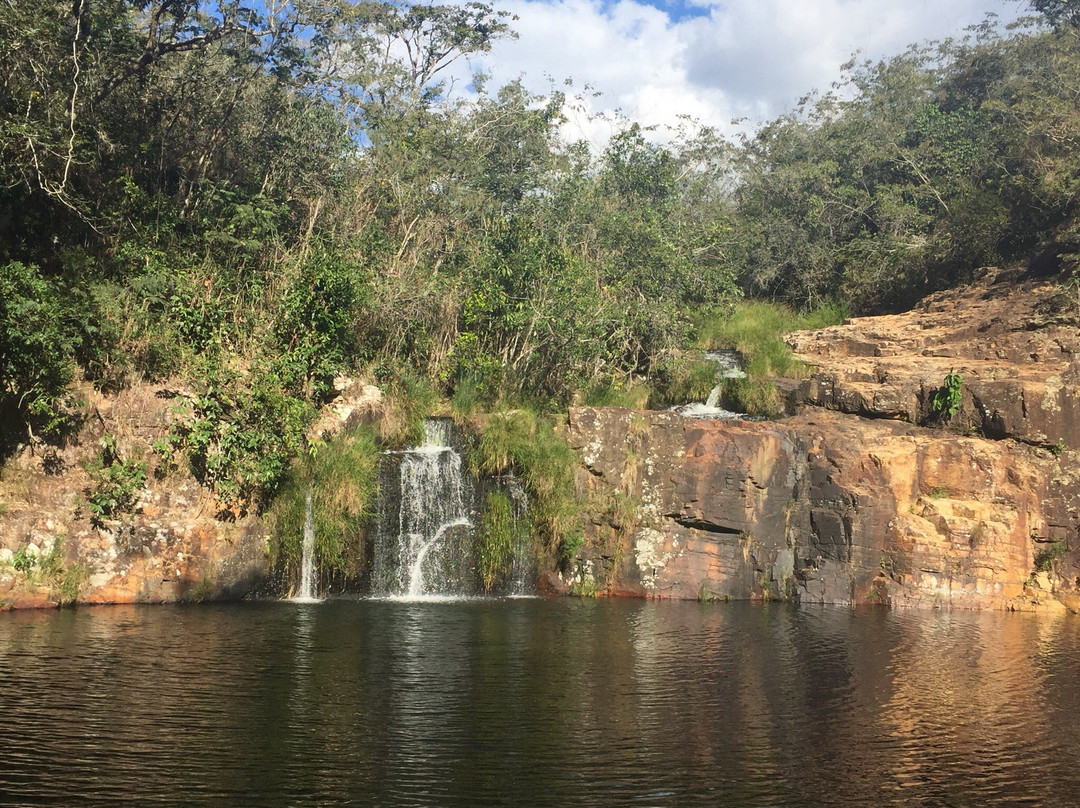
501,536
947,399
313,328
1050,553
63,578
240,434
116,489
38,346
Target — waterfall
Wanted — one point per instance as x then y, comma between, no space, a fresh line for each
425,543
522,570
728,368
307,560
425,548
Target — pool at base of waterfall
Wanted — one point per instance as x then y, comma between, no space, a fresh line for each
537,702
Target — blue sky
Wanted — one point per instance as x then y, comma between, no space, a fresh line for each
714,60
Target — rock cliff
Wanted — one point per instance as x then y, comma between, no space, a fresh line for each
866,494
171,547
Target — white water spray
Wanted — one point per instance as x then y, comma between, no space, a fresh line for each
307,559
728,362
417,589
424,558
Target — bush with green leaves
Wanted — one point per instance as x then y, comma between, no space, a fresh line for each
115,489
240,434
313,326
947,399
38,345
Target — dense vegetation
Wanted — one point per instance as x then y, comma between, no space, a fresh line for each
255,201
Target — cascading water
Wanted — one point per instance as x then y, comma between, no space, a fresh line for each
522,569
428,552
426,540
728,368
307,558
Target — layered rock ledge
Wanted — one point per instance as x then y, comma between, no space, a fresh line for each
865,494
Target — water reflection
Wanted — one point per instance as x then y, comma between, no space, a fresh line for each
537,702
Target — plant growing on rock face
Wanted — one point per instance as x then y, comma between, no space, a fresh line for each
342,478
520,441
946,400
500,535
1045,558
117,483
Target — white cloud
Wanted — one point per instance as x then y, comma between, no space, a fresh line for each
715,60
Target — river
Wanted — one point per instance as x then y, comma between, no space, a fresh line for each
537,702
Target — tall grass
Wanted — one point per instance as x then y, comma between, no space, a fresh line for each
410,399
523,442
343,476
500,534
756,329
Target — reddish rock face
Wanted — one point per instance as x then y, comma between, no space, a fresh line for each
820,507
709,503
171,548
850,500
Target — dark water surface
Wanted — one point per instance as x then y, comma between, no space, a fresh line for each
537,702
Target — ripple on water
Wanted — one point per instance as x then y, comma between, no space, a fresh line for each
537,702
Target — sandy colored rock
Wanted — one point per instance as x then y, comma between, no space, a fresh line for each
865,494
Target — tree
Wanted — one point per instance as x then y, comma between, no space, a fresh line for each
1059,13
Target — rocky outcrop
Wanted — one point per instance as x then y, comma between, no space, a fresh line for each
171,546
865,494
1014,343
820,507
174,543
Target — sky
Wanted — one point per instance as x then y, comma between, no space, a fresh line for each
713,60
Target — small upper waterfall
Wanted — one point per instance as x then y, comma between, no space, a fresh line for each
424,545
728,368
307,592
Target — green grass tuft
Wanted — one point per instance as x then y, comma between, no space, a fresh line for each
521,441
344,472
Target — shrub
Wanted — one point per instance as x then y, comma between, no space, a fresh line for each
116,489
240,436
947,399
38,344
678,381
